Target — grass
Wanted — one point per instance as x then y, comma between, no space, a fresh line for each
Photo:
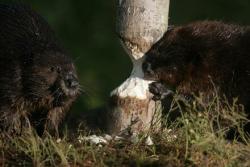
196,138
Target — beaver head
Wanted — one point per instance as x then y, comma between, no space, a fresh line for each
50,78
166,66
171,60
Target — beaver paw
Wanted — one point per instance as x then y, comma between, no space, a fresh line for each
159,91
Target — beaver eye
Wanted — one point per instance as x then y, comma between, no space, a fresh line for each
174,68
58,69
52,69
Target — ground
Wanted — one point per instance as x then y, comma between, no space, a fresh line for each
197,138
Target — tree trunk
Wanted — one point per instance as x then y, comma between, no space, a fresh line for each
140,23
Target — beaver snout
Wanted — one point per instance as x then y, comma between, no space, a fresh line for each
149,74
70,85
71,82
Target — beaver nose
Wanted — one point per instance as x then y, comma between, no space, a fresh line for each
147,69
71,81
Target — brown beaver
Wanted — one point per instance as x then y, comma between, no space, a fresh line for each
201,57
38,81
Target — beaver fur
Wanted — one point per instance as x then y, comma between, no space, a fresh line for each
199,58
38,80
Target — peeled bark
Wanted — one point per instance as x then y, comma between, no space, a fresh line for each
140,23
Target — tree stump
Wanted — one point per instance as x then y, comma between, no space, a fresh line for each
140,24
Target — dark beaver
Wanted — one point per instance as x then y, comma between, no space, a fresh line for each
201,57
38,80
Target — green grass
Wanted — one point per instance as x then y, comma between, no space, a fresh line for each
194,139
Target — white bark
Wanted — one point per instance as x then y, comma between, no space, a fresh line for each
140,23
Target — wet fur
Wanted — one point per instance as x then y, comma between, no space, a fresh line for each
189,57
30,83
202,57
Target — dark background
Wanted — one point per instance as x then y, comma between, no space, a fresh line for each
87,30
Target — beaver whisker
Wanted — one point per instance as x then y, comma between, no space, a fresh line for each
30,49
56,91
205,57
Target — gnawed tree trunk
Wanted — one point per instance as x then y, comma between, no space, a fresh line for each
140,23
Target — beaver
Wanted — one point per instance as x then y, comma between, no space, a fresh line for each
201,57
38,80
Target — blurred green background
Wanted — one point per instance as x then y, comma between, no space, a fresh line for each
87,30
